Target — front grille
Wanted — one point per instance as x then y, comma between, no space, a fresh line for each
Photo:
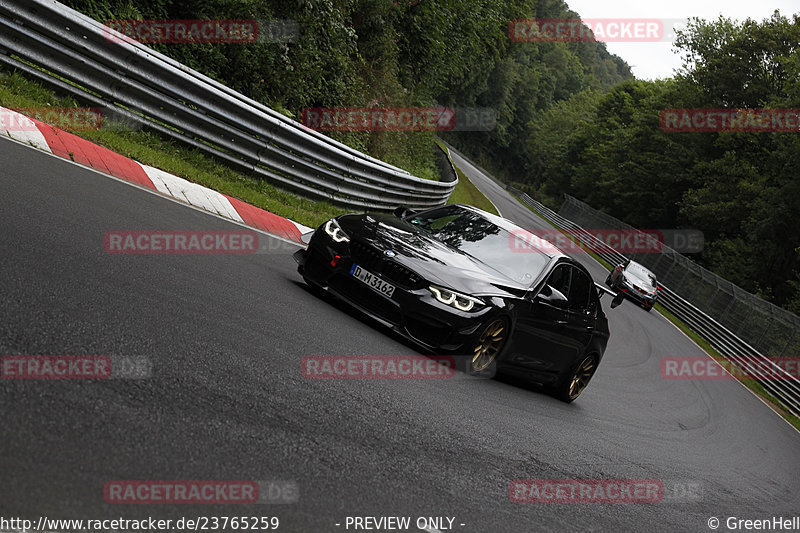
361,295
642,291
401,275
366,256
374,261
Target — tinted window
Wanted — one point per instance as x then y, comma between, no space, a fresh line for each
580,291
559,280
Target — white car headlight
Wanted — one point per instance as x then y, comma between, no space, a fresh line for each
335,232
462,302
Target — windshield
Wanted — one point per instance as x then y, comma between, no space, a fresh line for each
483,240
641,273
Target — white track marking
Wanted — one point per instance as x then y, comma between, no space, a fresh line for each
22,129
191,193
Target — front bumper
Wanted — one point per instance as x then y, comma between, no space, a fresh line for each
636,295
412,311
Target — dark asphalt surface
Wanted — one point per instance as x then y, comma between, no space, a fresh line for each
226,400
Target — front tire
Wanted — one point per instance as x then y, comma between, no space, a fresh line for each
576,380
482,359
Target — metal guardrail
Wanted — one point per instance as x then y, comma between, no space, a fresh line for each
474,164
445,162
64,48
767,328
786,387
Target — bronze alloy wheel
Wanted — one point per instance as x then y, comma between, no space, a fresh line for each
583,374
489,345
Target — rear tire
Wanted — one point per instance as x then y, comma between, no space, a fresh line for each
575,381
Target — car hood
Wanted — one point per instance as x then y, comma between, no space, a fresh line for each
436,261
639,282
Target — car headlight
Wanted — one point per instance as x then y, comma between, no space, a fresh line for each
462,302
335,232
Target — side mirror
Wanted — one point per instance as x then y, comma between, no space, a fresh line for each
552,297
403,212
618,297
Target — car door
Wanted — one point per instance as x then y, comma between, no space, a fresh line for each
541,339
582,311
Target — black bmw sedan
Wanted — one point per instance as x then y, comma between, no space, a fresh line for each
458,280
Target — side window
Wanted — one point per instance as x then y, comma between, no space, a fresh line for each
594,301
559,279
580,291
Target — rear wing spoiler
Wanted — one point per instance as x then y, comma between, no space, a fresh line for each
618,296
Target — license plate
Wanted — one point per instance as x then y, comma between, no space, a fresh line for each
373,281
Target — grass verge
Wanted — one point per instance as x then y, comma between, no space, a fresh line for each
151,149
466,192
706,346
18,92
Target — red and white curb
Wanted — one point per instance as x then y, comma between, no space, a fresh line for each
49,139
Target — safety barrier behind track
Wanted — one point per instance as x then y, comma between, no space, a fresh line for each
75,53
774,330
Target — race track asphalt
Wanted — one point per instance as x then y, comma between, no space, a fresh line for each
225,335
